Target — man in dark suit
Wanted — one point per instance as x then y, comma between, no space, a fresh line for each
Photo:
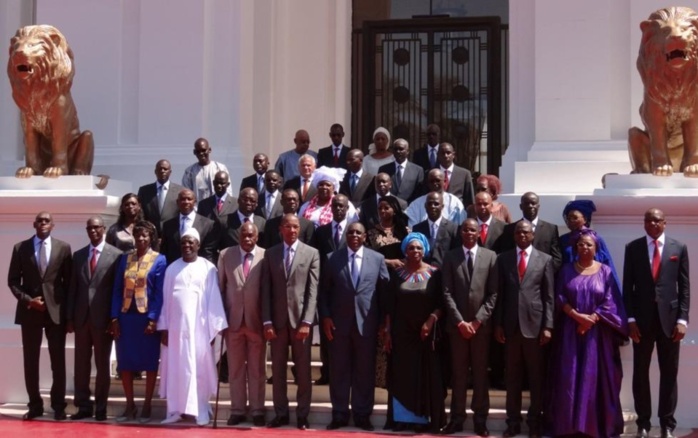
470,294
159,199
289,301
334,155
656,291
368,214
39,277
357,184
407,178
221,203
260,163
426,156
490,229
524,322
247,204
172,230
350,315
269,201
457,180
443,234
303,184
88,313
290,201
547,237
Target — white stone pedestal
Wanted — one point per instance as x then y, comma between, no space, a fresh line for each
71,200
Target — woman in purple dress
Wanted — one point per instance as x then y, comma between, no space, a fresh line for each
585,372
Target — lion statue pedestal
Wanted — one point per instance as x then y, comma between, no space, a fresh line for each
41,71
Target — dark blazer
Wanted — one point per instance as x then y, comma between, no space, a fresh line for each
209,232
412,179
209,208
364,188
230,235
323,240
249,181
272,236
494,233
546,239
295,184
25,281
276,210
670,294
89,298
527,306
325,156
148,195
420,157
368,214
460,184
447,238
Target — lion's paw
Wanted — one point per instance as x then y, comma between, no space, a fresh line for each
24,172
53,172
665,170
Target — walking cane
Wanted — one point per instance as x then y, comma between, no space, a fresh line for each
218,388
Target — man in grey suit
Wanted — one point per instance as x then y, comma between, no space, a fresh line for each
289,299
407,177
350,314
219,205
269,200
524,322
159,199
39,277
656,291
88,311
240,277
470,294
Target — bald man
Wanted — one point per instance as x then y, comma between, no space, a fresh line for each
287,163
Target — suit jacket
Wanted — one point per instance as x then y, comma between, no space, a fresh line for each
209,208
325,156
295,184
469,298
272,236
323,240
26,282
368,214
209,232
276,210
363,190
90,296
346,304
460,184
447,238
546,239
412,179
670,294
230,235
290,298
241,296
249,181
527,305
494,233
148,195
420,157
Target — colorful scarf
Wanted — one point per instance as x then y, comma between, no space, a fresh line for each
325,214
136,280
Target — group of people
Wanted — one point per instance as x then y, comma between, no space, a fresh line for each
415,283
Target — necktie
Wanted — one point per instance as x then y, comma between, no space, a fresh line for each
336,157
656,260
184,225
246,220
352,186
522,265
337,235
483,233
432,156
43,259
434,231
260,184
446,173
246,264
306,186
269,204
219,206
289,259
398,175
161,197
470,264
354,270
93,262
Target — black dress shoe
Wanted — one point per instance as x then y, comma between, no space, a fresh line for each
101,415
59,416
278,422
512,430
80,415
481,429
32,414
364,424
642,433
302,423
234,420
258,420
400,426
667,433
451,428
322,381
336,424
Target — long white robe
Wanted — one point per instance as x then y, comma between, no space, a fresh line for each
193,314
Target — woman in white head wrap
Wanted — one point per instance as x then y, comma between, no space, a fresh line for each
318,209
379,151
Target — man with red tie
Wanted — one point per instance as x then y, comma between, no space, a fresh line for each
489,227
334,155
217,206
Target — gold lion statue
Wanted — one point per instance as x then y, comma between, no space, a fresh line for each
41,73
668,66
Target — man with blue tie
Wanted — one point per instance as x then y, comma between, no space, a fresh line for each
350,314
427,155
